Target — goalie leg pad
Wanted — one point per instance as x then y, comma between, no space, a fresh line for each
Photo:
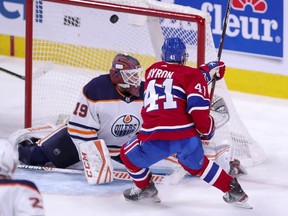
221,154
60,149
36,132
96,162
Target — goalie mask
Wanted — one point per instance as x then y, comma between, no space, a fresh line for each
126,72
174,50
8,158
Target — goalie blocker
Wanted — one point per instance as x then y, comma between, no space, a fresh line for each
58,148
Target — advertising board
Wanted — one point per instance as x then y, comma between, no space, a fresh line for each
254,26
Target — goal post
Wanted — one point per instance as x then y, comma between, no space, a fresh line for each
69,42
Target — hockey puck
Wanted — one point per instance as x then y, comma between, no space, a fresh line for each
114,18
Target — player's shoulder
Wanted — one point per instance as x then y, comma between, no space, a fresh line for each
19,182
100,88
191,72
98,82
173,67
188,76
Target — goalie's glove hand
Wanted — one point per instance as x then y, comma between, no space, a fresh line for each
213,69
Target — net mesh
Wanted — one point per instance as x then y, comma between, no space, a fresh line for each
73,44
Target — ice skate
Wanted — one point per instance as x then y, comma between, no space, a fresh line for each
236,195
236,168
135,194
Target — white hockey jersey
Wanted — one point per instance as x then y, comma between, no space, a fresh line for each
20,198
103,112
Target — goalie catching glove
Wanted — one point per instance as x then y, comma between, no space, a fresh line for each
96,162
213,69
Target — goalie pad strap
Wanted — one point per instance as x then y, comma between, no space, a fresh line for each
96,162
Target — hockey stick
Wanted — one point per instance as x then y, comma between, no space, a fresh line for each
119,175
213,85
36,75
12,73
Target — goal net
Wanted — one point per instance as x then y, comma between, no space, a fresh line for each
70,42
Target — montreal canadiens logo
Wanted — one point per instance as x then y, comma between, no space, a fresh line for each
258,6
125,125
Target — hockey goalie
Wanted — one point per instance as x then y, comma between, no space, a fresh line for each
106,115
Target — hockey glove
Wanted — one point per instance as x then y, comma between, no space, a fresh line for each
207,137
209,134
213,69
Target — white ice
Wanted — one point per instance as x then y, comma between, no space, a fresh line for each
266,184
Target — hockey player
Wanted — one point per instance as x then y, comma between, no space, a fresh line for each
107,113
17,197
176,117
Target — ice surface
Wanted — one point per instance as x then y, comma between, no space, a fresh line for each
267,186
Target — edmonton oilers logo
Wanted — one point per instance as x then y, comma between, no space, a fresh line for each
125,125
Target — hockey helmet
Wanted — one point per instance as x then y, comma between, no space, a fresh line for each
8,158
174,50
126,72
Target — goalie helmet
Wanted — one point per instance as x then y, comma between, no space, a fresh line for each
174,50
126,72
8,158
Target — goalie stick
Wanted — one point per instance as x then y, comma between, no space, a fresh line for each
118,175
213,85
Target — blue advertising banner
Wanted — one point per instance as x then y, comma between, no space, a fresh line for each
254,26
12,13
12,17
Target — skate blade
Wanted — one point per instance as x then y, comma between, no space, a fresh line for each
244,205
154,199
